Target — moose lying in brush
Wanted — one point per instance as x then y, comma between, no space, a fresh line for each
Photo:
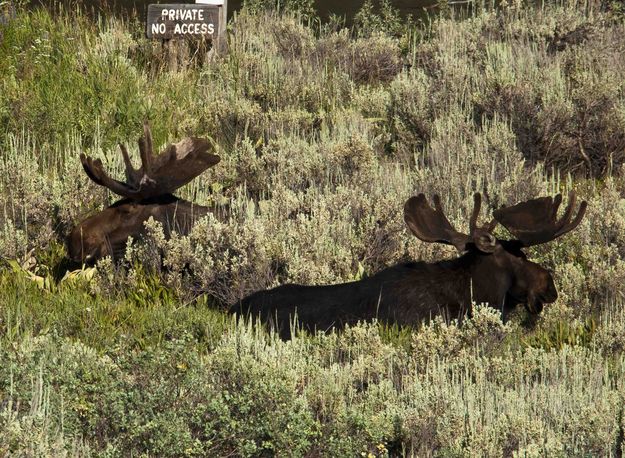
147,193
490,271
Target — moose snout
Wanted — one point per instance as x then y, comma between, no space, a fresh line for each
82,253
535,301
551,293
534,304
534,307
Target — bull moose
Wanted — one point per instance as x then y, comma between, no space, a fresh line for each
147,193
491,270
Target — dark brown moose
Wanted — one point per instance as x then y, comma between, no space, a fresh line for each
147,193
490,271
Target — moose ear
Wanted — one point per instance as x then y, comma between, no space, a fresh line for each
485,241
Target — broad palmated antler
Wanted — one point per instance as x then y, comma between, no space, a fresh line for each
431,225
534,222
159,174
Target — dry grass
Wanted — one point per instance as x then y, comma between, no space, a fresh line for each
324,133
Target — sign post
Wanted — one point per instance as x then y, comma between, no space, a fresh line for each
223,20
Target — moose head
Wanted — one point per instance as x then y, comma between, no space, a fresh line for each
489,270
501,273
147,193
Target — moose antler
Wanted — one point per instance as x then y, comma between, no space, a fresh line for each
534,222
159,174
431,225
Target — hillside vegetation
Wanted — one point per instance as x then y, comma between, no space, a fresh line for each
324,132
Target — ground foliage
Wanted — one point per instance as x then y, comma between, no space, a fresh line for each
324,131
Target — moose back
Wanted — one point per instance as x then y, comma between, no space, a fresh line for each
491,270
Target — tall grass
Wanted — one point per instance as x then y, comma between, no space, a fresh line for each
323,132
241,391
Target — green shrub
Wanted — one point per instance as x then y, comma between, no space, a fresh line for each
324,133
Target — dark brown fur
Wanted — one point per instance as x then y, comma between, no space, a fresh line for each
147,191
491,271
407,294
106,233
